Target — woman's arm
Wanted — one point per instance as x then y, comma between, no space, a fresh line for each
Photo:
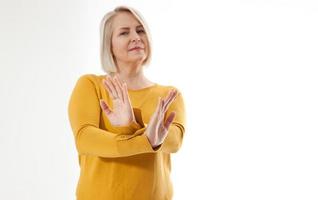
84,115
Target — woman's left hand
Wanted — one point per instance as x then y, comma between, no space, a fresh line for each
157,129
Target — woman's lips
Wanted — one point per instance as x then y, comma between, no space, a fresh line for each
136,48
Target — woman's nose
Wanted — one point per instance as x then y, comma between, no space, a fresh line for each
135,37
136,40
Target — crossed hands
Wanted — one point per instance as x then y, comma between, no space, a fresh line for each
123,115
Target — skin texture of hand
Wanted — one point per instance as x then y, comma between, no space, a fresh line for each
157,129
122,113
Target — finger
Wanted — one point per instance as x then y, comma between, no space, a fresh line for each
157,111
126,96
119,81
105,107
169,119
111,86
118,87
108,88
160,105
161,111
172,96
172,93
154,120
125,92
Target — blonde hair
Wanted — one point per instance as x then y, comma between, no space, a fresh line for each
106,32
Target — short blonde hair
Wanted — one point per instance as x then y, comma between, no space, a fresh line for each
106,32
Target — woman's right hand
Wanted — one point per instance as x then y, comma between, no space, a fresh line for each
122,113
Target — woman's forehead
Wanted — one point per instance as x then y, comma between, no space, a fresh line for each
125,20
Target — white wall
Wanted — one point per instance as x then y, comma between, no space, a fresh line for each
247,69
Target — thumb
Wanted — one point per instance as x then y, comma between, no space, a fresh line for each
105,107
169,119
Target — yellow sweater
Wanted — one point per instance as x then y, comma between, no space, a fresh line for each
119,163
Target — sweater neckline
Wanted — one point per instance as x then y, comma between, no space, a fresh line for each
143,89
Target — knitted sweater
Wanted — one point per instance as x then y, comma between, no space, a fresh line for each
119,163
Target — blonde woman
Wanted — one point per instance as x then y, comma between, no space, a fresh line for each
125,126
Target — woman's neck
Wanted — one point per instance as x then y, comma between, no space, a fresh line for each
134,77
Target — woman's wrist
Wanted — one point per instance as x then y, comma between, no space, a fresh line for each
152,141
128,128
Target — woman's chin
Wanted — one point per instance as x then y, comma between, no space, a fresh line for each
136,54
137,58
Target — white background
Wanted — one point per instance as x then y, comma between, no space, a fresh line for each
247,70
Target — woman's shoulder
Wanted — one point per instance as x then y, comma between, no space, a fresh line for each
95,78
88,76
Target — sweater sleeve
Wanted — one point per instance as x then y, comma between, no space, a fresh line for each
84,116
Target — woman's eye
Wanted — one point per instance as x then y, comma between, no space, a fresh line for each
125,33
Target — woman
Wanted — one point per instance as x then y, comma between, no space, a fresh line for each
125,126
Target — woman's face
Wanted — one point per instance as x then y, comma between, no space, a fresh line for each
129,40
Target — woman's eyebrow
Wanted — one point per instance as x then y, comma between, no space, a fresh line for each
124,27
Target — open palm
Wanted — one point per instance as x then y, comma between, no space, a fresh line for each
122,113
157,129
